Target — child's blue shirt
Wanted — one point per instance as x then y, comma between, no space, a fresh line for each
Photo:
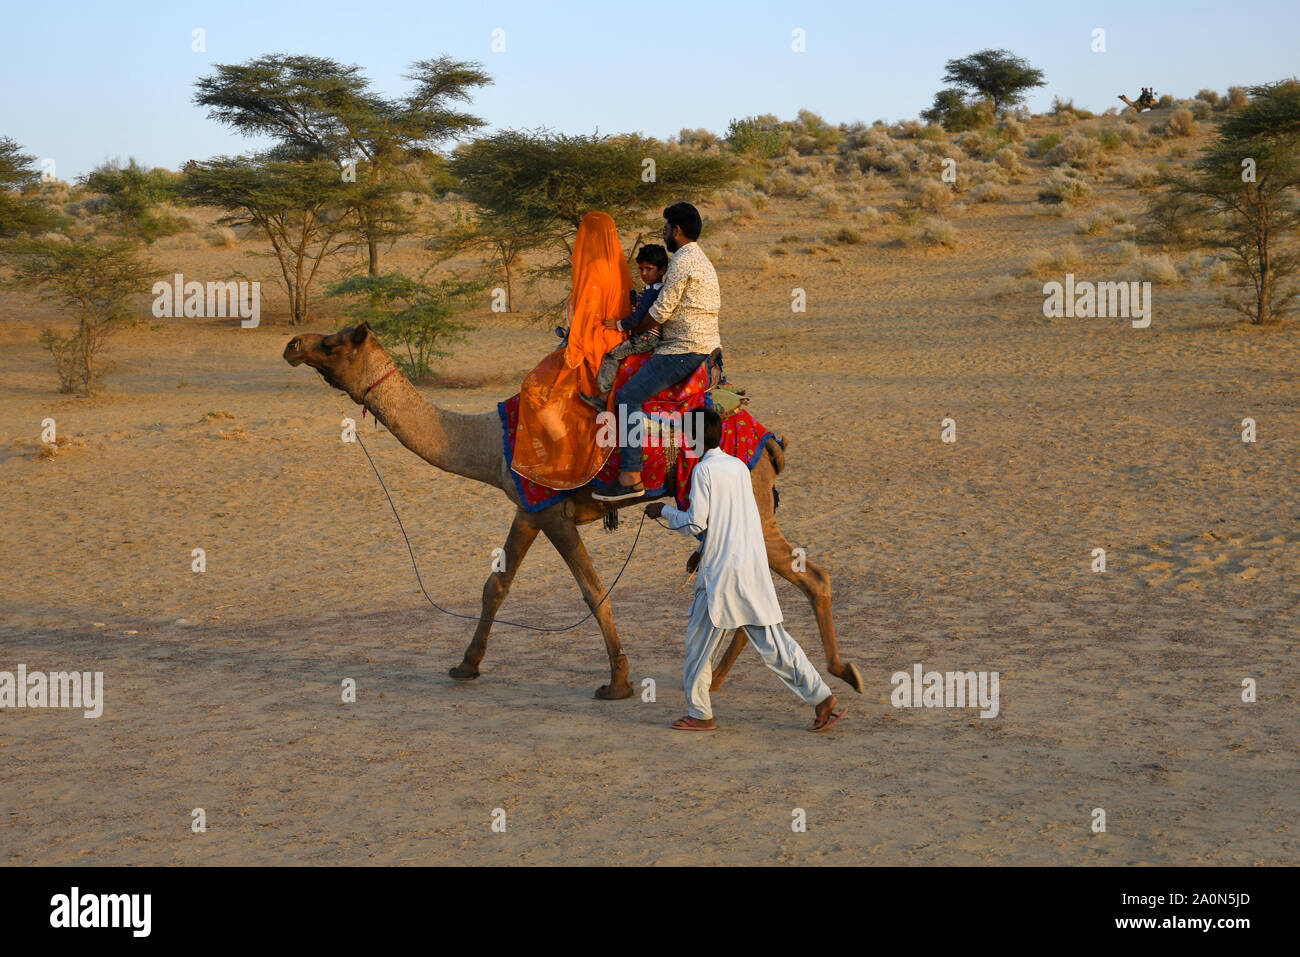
643,304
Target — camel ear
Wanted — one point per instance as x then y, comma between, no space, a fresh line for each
359,333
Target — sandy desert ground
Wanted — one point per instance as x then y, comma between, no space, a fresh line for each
1119,691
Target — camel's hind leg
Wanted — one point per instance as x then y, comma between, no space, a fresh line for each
495,589
816,585
733,652
564,536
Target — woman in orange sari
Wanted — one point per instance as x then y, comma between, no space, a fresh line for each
555,442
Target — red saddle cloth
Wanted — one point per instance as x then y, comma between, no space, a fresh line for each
742,436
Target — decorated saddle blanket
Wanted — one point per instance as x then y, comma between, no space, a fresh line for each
664,469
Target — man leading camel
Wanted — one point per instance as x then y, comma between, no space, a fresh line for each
687,311
734,588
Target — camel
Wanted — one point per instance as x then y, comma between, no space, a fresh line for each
1142,103
353,361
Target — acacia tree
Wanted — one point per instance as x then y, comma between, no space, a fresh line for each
20,214
541,184
97,282
1247,185
955,114
505,235
301,205
999,76
324,109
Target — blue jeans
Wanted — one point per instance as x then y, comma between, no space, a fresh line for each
659,372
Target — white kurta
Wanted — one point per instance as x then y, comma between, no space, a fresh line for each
733,566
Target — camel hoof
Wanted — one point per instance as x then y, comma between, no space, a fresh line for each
850,675
615,693
461,673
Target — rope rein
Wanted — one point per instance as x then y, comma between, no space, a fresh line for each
416,568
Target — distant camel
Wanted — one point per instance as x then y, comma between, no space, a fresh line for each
1146,101
353,361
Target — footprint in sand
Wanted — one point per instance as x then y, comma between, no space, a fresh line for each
1208,555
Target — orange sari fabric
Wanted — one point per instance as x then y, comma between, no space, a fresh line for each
555,443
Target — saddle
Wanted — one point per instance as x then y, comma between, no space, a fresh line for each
723,397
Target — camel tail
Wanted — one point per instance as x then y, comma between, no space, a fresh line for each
776,453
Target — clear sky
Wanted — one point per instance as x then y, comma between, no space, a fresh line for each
86,81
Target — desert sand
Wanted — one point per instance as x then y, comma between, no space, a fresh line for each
1120,690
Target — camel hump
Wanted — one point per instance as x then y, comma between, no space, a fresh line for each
775,452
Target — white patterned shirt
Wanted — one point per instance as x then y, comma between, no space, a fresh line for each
688,304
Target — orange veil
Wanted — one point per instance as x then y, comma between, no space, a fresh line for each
555,443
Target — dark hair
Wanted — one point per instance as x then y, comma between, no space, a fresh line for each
654,254
687,217
706,424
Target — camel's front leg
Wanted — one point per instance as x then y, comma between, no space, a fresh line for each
816,585
495,589
564,536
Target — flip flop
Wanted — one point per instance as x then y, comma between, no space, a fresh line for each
687,723
822,724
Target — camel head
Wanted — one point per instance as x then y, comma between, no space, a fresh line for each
349,360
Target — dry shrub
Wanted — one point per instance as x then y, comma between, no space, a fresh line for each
1126,252
1236,97
971,143
698,139
1096,223
1063,188
936,231
1081,152
870,217
739,204
1000,287
782,183
930,196
1131,134
1012,129
880,158
1158,268
989,173
848,235
988,193
1181,123
1109,137
1052,262
1133,174
1008,158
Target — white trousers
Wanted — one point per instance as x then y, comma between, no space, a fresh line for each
780,652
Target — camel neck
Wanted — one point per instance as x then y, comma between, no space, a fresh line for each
447,440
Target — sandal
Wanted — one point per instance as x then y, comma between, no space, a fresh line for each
687,723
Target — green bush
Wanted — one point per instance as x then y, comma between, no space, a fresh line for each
750,137
1041,145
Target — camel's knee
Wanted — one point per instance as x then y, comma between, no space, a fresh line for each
496,588
818,582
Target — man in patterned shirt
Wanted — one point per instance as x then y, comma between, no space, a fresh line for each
687,313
